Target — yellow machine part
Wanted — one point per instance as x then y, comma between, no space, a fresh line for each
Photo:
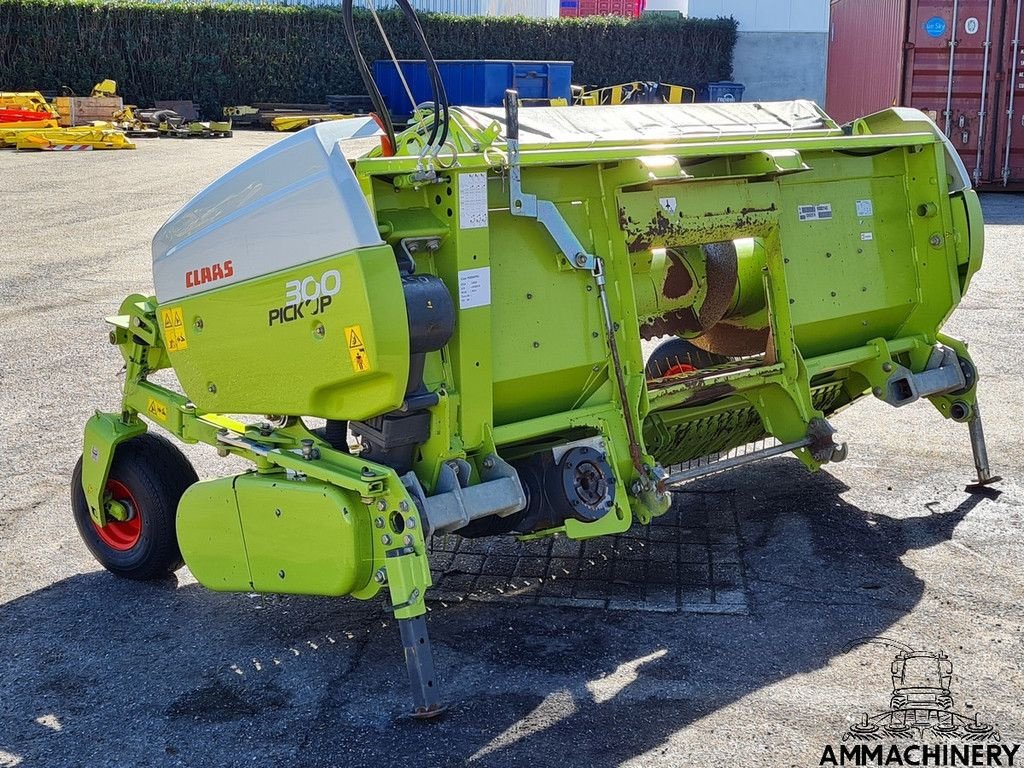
27,100
105,88
201,129
297,122
637,92
84,137
32,125
676,94
240,110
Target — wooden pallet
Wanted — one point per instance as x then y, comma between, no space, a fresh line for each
81,110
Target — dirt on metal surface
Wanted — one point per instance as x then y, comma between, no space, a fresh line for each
96,671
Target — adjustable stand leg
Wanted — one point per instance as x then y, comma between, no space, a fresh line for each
420,663
985,476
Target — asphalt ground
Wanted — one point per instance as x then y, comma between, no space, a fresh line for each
96,671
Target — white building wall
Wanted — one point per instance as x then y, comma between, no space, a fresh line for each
781,45
679,6
766,15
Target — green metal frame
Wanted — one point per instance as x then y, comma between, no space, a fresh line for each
404,567
531,369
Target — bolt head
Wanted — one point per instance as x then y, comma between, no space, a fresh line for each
212,389
407,540
403,505
380,576
410,523
887,367
382,504
198,324
581,259
385,539
379,522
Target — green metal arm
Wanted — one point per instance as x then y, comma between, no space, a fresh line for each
399,562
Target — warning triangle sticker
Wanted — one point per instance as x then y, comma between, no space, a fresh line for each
353,339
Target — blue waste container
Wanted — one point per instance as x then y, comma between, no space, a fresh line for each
725,91
472,82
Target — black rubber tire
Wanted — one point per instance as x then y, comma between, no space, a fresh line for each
668,352
156,474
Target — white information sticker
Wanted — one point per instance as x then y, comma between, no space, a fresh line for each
472,200
474,287
865,208
867,236
668,203
817,212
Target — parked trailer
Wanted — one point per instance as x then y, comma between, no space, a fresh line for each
960,61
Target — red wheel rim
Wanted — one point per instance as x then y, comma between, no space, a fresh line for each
679,368
121,535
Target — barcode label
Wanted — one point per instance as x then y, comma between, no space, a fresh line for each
818,212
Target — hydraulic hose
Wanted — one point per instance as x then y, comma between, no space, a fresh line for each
441,107
367,76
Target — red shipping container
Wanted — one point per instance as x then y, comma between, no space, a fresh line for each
628,8
960,61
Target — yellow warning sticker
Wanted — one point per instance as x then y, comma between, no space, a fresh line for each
156,409
357,349
173,320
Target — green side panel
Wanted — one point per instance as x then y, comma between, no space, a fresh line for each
863,266
210,536
969,228
549,332
250,348
303,536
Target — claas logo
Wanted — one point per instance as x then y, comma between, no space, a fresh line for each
211,274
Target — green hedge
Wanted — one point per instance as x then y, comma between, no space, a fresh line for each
236,54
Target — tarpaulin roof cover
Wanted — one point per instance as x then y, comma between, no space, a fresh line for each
541,127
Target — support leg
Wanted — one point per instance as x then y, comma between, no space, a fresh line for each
420,663
985,476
